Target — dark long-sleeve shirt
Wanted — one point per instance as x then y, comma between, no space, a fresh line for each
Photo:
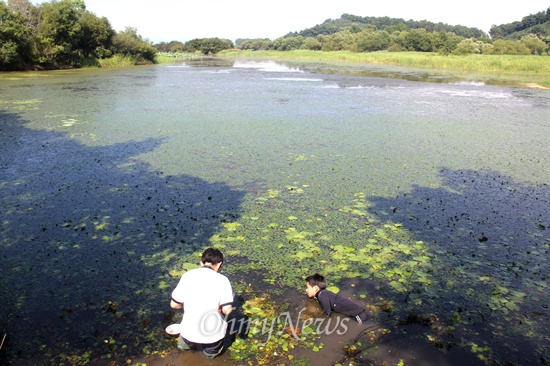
330,302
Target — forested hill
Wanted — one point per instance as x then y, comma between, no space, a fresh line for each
538,24
356,23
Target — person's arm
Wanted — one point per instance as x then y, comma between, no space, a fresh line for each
177,297
226,300
324,300
175,304
226,309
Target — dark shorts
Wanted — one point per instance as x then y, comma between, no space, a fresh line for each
210,350
237,325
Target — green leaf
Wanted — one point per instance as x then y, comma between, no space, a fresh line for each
398,286
333,289
188,266
512,306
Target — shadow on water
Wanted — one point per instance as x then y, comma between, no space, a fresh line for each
490,238
88,238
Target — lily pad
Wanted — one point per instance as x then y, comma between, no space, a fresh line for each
333,289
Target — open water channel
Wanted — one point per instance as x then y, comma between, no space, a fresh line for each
427,201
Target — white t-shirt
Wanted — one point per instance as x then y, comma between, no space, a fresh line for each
202,291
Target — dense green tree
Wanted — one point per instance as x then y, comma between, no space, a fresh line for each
176,46
469,46
208,45
396,28
16,50
353,22
288,43
507,30
535,44
67,33
328,43
445,42
510,47
172,46
420,40
130,43
415,40
355,28
193,45
368,41
254,44
326,28
312,44
215,45
162,46
28,11
59,32
339,41
96,35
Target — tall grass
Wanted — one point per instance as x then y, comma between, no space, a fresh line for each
167,57
528,69
117,61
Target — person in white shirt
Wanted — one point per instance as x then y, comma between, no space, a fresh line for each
206,298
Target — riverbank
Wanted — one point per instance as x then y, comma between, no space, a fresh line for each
526,71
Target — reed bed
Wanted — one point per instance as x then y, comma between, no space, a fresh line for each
168,57
117,61
525,69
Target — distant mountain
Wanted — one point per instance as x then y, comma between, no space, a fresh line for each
355,23
538,24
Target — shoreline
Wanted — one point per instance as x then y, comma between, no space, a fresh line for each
531,72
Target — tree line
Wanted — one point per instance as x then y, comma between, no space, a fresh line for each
370,39
538,23
368,34
63,34
356,23
204,46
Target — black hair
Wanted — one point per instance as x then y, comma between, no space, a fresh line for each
316,280
212,256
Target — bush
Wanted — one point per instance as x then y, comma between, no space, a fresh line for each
312,44
128,43
508,47
469,46
368,41
117,61
535,44
15,45
208,45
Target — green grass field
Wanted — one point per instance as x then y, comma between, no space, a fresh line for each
519,69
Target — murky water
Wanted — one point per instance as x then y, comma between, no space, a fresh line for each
111,180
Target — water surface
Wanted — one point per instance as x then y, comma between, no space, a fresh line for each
435,193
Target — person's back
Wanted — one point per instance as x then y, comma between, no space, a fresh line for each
329,301
201,296
206,298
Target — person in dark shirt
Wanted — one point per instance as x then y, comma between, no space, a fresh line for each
329,301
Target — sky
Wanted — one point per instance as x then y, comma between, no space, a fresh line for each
183,20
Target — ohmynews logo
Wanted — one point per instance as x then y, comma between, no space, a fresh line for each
243,325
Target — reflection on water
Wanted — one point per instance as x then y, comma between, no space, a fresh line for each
112,180
267,66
